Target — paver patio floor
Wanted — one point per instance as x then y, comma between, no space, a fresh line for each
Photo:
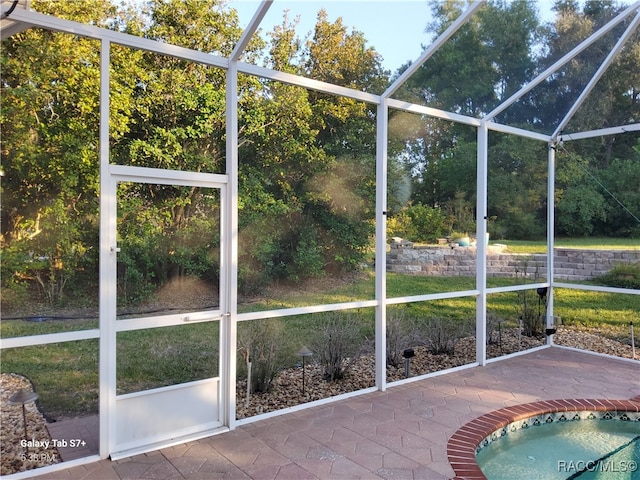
401,433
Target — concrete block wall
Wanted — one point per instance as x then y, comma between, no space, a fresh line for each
406,258
586,264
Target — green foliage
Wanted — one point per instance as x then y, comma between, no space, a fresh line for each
488,59
307,159
172,233
460,211
622,210
624,275
517,188
308,173
418,223
307,259
52,253
49,128
579,208
497,48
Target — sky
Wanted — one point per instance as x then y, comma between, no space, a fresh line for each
395,28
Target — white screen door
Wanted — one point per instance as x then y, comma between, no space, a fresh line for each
166,345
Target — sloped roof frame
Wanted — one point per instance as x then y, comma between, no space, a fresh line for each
596,76
563,61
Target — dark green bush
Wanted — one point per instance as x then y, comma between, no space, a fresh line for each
418,223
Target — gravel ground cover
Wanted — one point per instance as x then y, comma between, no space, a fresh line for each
19,453
287,390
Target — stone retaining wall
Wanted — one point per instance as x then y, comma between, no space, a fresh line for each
570,264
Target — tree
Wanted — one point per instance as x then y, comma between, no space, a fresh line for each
485,62
591,167
314,155
488,59
496,52
517,188
50,85
614,101
622,182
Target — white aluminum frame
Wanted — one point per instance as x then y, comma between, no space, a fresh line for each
228,303
119,443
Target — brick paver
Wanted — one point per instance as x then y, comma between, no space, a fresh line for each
398,434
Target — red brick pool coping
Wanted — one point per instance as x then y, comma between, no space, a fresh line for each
461,448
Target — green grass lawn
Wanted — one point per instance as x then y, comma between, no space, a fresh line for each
66,374
596,243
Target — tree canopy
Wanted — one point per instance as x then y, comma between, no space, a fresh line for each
307,159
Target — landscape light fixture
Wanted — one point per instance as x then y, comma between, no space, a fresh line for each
22,397
304,352
408,354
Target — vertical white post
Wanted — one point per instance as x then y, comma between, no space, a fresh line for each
229,283
481,249
551,180
381,244
108,269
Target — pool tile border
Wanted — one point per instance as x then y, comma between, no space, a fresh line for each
514,428
461,448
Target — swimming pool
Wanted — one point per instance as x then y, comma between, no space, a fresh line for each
491,427
560,446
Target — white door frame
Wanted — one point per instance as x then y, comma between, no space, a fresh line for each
123,430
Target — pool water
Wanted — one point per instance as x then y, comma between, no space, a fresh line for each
581,450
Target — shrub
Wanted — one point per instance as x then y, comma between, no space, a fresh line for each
401,334
265,344
528,308
418,223
493,328
527,312
336,345
623,275
441,335
307,257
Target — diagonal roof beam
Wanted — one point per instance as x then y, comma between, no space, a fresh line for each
431,49
250,30
632,127
557,65
50,22
597,76
8,26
